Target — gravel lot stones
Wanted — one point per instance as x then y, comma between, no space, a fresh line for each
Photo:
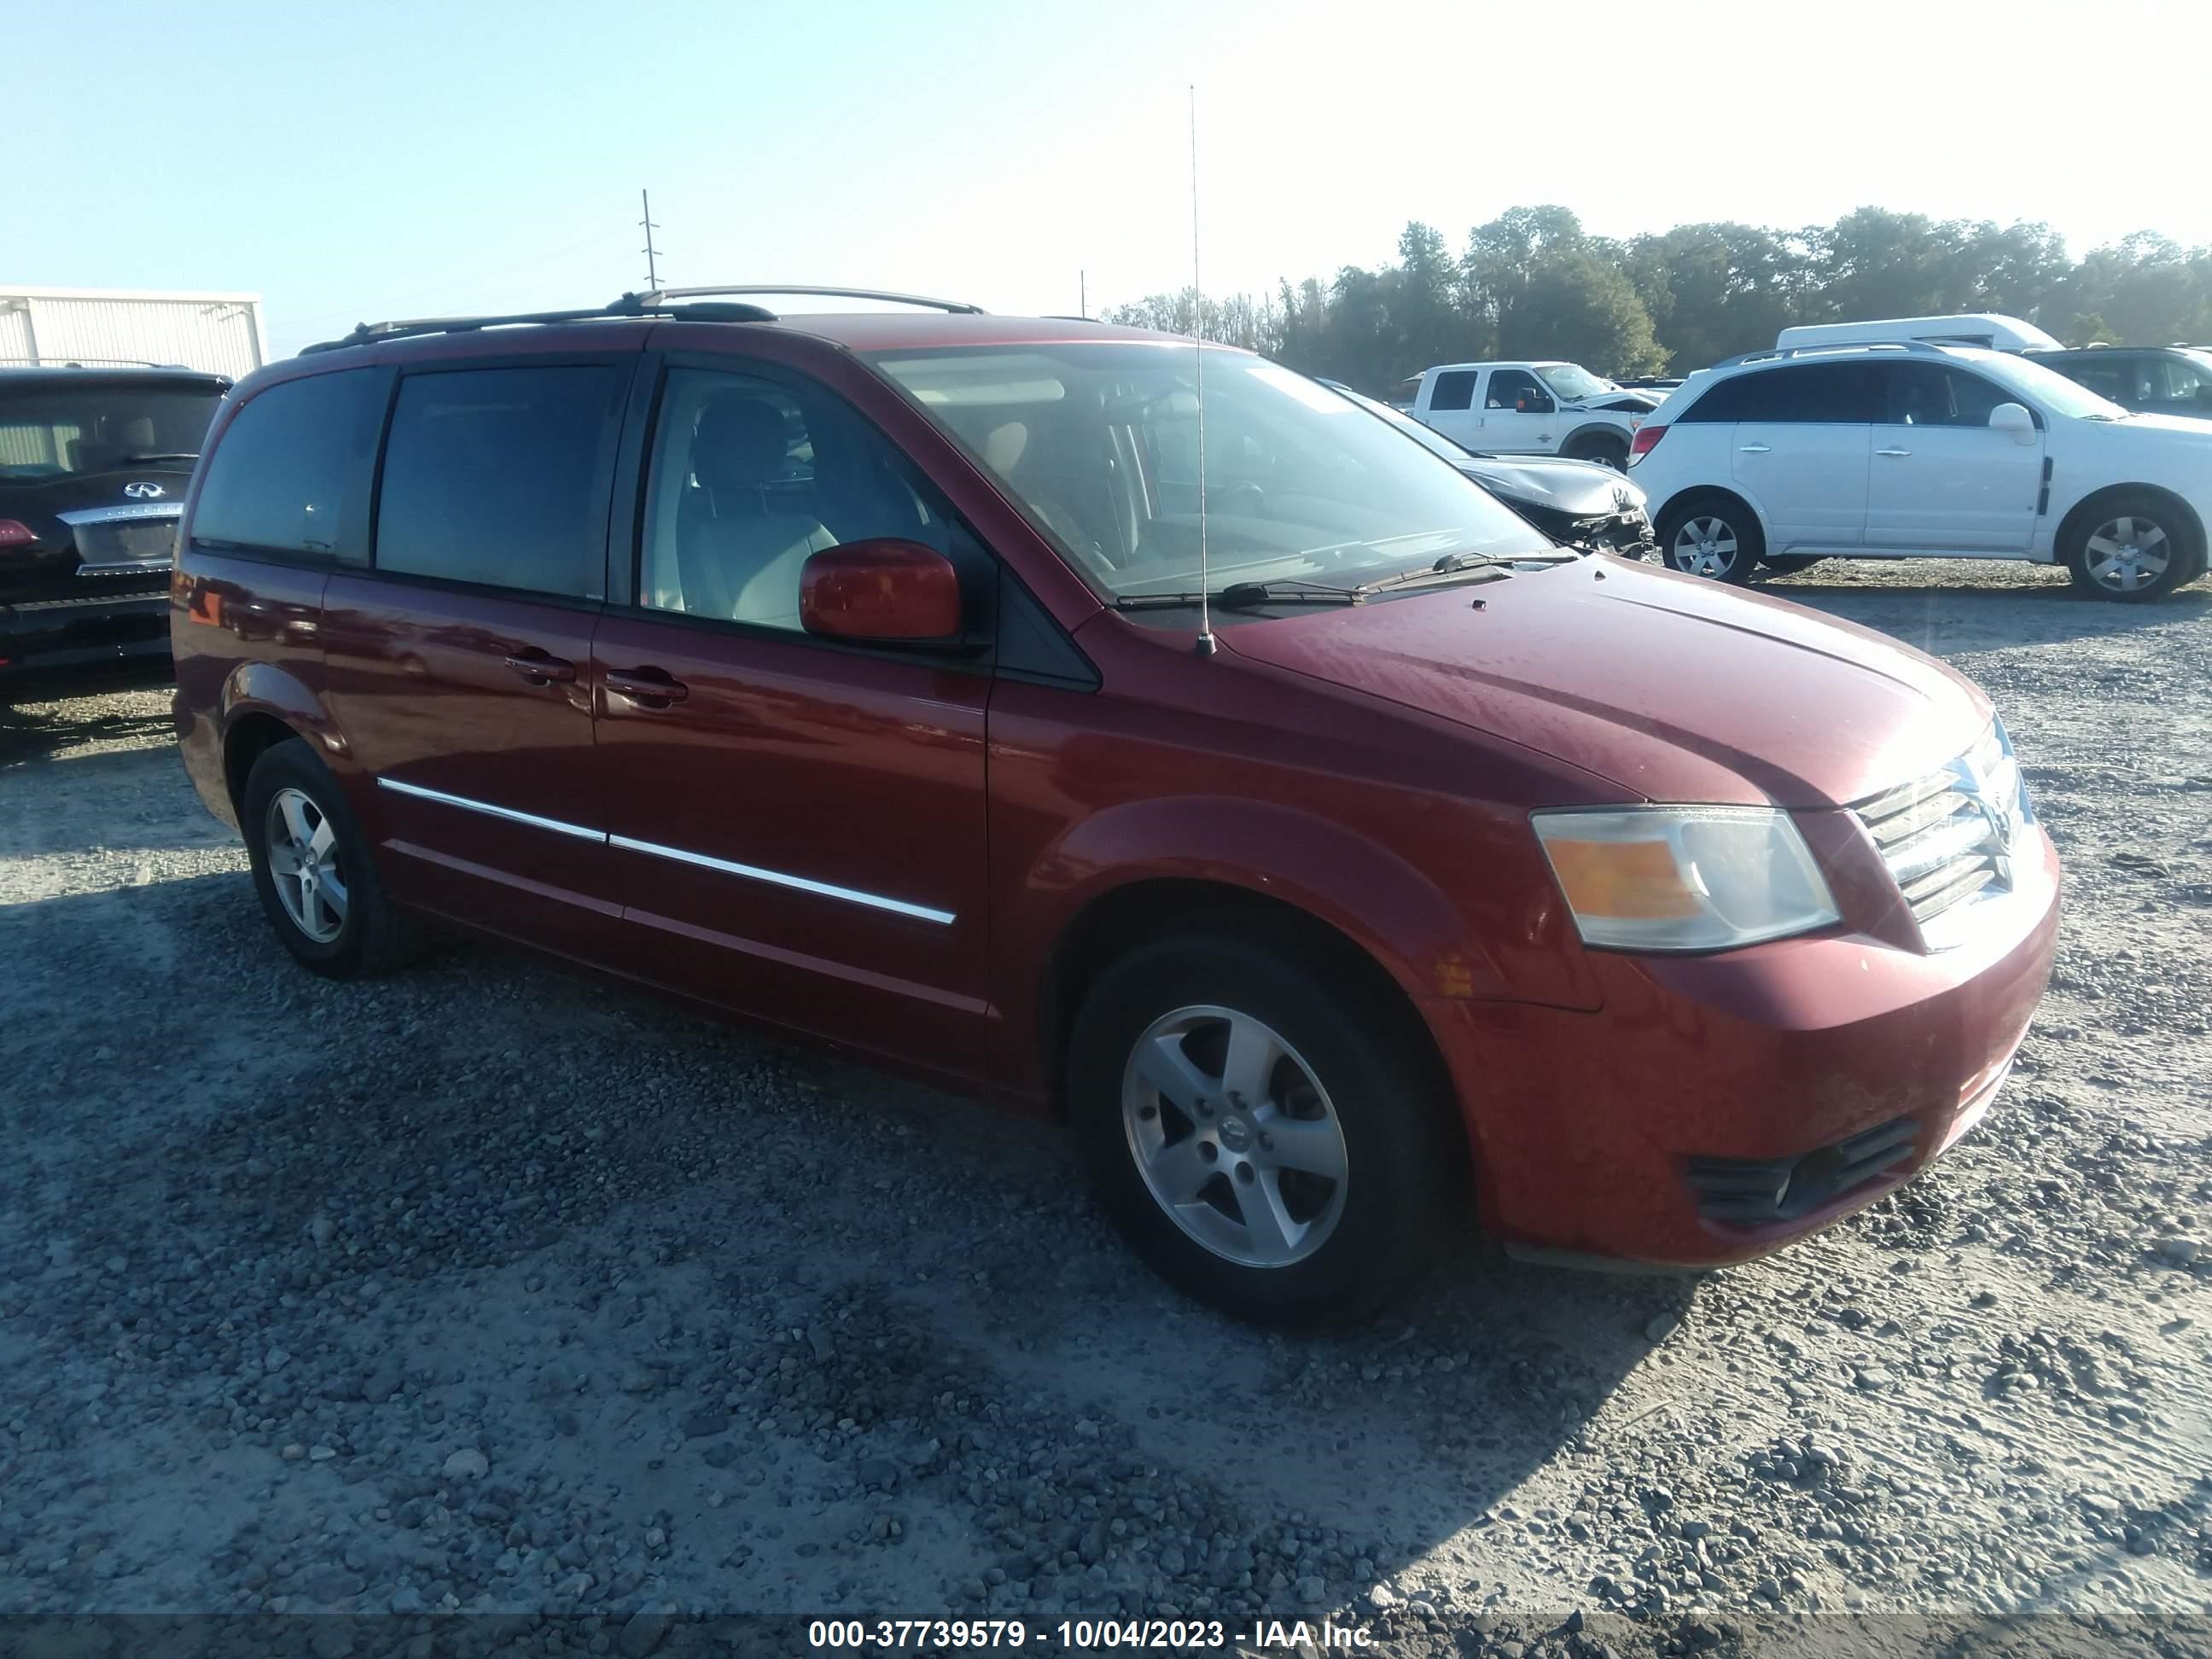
489,1287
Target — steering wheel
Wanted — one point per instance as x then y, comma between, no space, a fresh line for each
1254,497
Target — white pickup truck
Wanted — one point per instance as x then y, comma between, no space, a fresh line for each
1529,409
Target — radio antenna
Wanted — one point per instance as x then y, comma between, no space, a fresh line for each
1198,343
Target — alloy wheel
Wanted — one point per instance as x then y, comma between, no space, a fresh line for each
301,844
2127,554
1234,1135
1704,547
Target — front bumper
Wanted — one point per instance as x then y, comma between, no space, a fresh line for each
1716,1108
43,634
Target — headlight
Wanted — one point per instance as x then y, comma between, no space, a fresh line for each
1684,878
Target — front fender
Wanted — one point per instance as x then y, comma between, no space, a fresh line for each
1365,891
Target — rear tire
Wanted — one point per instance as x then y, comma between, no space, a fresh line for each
1314,1204
2134,547
313,873
1714,536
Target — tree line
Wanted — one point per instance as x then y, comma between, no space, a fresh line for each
1532,283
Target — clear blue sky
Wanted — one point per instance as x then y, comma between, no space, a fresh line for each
350,161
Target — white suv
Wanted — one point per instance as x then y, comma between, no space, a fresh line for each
1913,450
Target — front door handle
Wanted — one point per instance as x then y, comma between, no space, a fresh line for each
1893,451
542,670
1754,449
654,686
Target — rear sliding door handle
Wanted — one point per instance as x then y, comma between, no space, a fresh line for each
1753,449
1893,451
650,686
542,670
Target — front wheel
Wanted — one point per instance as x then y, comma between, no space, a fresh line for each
1712,536
2135,548
1264,1141
1606,451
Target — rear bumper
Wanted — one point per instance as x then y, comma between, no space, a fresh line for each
38,634
1718,1107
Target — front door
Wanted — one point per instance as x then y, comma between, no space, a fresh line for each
797,825
458,669
1519,415
1942,481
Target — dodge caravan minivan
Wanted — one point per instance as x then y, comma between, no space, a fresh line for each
1338,856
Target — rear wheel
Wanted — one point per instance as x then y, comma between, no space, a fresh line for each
312,871
1712,536
1264,1141
2133,546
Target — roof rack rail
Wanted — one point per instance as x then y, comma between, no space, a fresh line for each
630,304
957,306
84,363
1774,353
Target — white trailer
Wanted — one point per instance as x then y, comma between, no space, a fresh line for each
222,333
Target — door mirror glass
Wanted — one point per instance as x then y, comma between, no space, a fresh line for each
885,588
2015,419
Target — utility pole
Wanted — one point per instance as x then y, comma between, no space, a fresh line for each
652,265
1082,294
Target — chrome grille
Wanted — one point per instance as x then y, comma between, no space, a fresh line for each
1947,837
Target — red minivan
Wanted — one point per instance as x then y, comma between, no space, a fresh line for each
1145,736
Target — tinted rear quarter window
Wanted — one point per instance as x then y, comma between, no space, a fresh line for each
1807,393
1454,390
499,476
279,478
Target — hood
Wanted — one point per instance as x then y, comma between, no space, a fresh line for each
1626,401
1674,688
1579,488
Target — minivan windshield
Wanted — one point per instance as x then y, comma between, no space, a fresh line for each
1098,443
1571,380
49,431
2045,386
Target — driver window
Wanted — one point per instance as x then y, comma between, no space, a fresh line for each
750,477
1508,387
1926,394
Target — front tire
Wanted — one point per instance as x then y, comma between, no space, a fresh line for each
313,873
1716,536
1606,451
1265,1142
2133,547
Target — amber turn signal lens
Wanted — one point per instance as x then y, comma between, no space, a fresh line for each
1629,880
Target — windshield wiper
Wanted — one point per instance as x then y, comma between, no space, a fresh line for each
1468,566
1243,595
178,455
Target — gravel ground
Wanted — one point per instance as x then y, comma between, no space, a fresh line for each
489,1287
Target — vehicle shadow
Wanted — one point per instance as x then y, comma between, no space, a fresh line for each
720,1192
42,713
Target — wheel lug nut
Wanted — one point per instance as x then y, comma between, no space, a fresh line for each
1208,1151
1266,1143
1244,1173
